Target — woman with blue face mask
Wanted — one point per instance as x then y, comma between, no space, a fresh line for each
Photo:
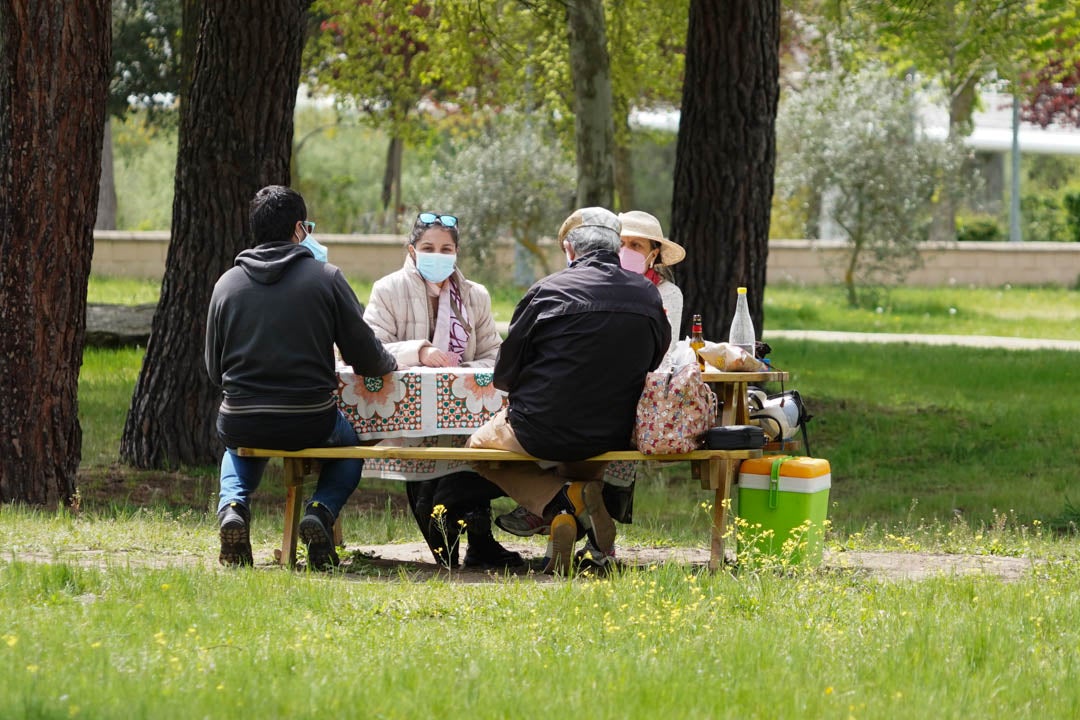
428,314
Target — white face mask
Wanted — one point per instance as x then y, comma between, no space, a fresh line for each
435,267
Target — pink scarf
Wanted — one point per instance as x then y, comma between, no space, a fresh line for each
451,323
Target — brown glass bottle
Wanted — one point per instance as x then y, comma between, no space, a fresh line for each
697,341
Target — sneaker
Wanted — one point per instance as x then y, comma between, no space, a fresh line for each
233,521
522,523
317,532
564,531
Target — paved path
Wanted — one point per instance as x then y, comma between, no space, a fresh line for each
979,341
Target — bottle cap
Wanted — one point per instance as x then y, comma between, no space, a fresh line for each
742,291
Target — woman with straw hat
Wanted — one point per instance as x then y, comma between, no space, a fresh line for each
645,250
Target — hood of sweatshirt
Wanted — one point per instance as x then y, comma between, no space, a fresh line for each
266,264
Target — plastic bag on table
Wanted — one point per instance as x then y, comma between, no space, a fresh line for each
730,358
679,355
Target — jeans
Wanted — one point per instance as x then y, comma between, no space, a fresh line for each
240,476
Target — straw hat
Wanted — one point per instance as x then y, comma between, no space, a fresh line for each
643,225
589,217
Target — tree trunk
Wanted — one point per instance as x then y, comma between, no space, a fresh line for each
106,210
391,184
236,127
725,158
961,108
593,129
54,78
624,164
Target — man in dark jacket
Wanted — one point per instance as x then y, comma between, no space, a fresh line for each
574,363
273,321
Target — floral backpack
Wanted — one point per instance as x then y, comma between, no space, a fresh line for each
675,411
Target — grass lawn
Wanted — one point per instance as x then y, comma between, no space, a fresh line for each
118,611
1007,311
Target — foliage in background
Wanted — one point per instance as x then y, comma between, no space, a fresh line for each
952,48
397,63
858,139
145,163
515,182
146,69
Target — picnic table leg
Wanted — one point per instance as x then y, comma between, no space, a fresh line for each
294,483
720,474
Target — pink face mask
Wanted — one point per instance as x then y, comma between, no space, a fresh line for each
632,260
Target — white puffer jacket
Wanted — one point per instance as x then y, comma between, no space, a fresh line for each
399,314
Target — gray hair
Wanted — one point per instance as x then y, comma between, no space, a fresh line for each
587,238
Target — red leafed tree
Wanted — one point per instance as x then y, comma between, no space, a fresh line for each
1054,98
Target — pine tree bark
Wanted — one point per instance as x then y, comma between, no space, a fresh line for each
54,76
725,158
236,128
594,133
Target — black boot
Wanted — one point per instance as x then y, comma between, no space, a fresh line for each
317,531
483,551
234,521
421,494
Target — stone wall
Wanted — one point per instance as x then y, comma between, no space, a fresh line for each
369,257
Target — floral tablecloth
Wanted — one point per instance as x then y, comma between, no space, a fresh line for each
426,406
420,402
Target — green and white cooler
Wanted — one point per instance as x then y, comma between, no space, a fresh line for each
788,496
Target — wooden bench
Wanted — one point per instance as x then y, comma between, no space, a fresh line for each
716,470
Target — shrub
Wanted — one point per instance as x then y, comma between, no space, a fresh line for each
1071,202
979,228
1042,218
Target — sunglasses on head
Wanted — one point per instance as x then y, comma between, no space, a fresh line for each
426,218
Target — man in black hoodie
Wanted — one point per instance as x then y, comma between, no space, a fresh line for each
273,321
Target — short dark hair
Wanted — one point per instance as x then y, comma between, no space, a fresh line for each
274,212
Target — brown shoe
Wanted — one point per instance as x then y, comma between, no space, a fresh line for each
602,527
563,538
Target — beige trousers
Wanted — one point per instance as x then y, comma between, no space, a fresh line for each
526,483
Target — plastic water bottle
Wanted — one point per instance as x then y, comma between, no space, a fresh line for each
742,326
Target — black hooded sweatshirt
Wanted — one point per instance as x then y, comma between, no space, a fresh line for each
271,328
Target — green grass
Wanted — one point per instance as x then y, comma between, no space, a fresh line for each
122,290
186,642
1009,311
118,610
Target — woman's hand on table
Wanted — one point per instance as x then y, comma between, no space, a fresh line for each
431,356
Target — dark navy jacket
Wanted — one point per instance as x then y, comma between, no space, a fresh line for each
574,362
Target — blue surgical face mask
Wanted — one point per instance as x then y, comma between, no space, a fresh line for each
317,249
435,267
